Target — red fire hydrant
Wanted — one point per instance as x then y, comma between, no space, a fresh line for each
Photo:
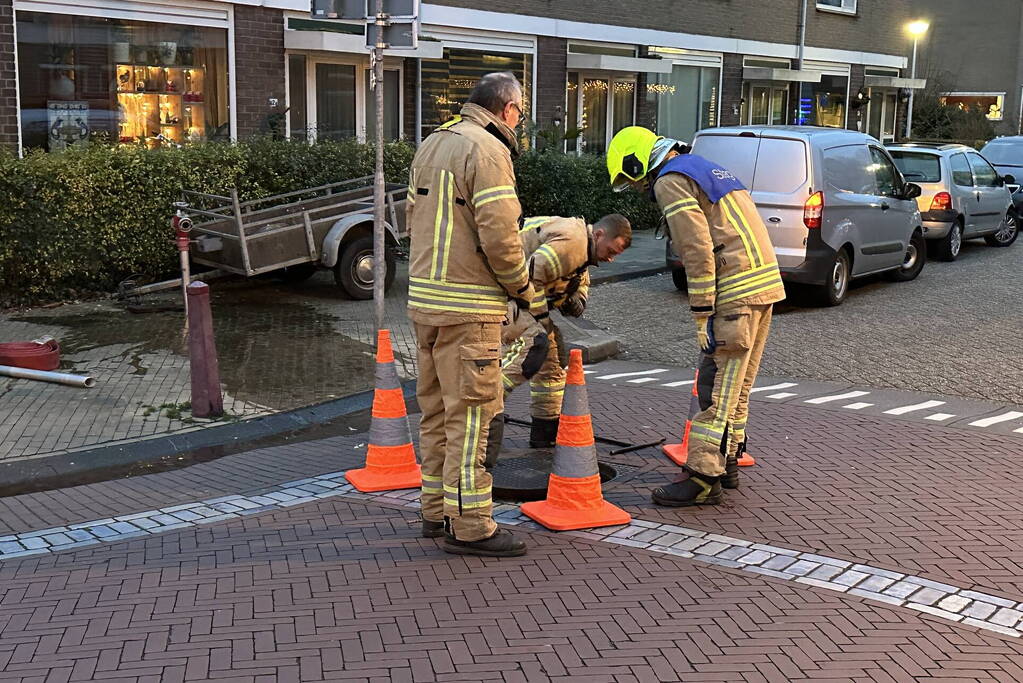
182,225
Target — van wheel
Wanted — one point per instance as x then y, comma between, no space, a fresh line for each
913,261
1007,233
948,248
832,292
354,270
678,276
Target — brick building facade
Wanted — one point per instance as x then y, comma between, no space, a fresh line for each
675,66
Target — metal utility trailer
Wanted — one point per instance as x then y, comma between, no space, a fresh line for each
296,232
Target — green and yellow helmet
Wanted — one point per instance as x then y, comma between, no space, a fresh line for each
628,155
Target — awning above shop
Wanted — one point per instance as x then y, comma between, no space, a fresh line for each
588,62
355,42
764,73
894,82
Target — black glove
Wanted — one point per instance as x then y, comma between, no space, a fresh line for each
521,303
573,307
535,357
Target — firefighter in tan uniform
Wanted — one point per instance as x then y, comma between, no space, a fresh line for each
733,282
465,264
559,253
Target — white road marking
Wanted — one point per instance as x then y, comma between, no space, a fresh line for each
783,385
858,406
1004,417
642,380
588,372
678,384
633,374
916,406
836,397
939,417
781,395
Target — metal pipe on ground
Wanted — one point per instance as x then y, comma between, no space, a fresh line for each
46,376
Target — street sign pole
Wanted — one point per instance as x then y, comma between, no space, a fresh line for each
379,259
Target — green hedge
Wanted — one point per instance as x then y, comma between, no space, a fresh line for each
83,220
554,184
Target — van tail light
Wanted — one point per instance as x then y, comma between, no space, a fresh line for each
941,202
813,209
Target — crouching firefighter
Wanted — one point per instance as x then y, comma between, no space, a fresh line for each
733,282
559,253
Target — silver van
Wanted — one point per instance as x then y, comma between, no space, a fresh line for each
835,205
963,196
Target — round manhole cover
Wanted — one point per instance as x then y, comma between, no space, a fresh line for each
521,475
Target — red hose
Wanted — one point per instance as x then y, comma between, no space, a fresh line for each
31,355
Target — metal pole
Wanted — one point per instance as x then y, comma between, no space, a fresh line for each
379,260
909,114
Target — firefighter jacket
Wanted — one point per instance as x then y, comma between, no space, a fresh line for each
559,253
466,258
718,234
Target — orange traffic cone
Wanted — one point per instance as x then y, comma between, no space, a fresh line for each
574,498
678,452
745,459
390,458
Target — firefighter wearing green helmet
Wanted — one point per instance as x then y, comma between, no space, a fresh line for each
733,281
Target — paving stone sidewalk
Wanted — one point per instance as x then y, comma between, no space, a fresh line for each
336,589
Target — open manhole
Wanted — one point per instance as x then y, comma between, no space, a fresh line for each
521,475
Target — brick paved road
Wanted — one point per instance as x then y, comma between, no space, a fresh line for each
336,590
955,330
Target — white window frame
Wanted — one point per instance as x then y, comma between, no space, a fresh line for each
848,7
611,77
714,60
181,13
1000,97
361,65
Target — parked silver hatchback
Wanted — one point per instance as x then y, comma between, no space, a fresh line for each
962,196
835,205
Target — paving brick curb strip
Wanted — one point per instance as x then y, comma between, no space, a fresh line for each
945,601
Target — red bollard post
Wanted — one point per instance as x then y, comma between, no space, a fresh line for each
207,401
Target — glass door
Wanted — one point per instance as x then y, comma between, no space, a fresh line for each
335,101
888,117
594,114
760,105
875,113
623,105
779,105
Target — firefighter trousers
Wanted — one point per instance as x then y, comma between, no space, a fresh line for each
547,385
726,378
459,393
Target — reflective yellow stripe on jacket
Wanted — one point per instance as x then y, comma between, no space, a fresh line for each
430,294
749,283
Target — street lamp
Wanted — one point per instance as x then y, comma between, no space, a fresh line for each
915,29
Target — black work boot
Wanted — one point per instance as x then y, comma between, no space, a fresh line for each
432,529
502,544
731,478
494,441
543,433
692,489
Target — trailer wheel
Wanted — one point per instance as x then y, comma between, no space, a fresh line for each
354,270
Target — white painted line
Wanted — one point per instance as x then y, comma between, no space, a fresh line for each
858,406
588,372
837,397
781,395
642,380
1004,417
1018,431
916,406
939,417
783,385
633,374
678,384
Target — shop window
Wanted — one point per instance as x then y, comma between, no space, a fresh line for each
685,100
447,82
297,105
392,102
823,104
125,81
990,104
